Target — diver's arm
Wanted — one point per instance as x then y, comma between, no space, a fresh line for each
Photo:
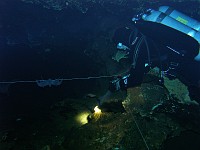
118,83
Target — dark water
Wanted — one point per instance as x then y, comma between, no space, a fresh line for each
50,43
38,43
187,140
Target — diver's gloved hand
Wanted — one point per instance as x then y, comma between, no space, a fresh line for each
114,85
119,83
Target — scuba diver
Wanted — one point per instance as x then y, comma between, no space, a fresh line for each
162,38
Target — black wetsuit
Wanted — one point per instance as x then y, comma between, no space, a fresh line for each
169,37
164,44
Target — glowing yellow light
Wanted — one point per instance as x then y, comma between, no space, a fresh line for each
97,110
97,113
82,118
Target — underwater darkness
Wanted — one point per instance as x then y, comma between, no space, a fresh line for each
50,46
38,43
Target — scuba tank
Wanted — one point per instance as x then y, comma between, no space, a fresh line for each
192,23
173,19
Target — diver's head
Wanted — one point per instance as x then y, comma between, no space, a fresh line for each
124,37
